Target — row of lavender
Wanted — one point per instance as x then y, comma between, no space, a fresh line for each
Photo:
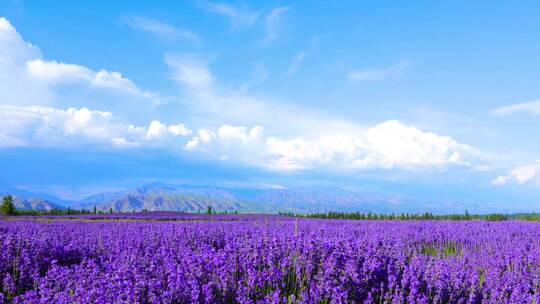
266,260
157,216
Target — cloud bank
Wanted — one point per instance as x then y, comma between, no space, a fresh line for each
390,144
224,124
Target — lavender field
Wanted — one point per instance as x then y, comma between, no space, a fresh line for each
262,259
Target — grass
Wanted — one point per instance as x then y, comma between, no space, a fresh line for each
447,249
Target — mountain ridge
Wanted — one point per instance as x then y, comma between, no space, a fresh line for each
189,198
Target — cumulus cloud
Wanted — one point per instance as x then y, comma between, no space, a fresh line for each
13,47
27,78
235,143
302,138
388,145
46,126
157,129
394,144
51,127
532,107
391,144
160,29
204,136
278,136
179,130
369,75
58,73
520,175
16,85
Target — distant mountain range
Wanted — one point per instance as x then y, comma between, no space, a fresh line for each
26,194
24,200
187,198
34,204
162,197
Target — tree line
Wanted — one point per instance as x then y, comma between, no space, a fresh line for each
8,209
401,216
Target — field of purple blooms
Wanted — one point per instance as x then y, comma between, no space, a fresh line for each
264,259
159,216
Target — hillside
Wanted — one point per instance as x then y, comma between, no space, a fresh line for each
34,204
194,199
164,197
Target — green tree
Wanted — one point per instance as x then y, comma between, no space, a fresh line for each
7,207
209,210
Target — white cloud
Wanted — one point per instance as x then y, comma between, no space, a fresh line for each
204,136
121,142
388,145
520,175
238,16
302,138
295,65
293,137
160,29
61,73
13,48
230,143
378,74
16,86
179,130
58,72
215,104
115,80
242,16
190,70
393,144
45,126
297,153
51,127
156,129
273,22
532,107
27,78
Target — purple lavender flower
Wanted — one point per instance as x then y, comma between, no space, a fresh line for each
268,259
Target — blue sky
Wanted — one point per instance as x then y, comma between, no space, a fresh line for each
427,98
